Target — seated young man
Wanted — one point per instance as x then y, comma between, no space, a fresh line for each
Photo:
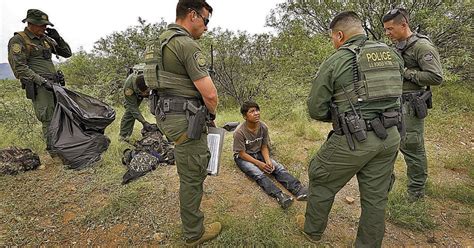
252,155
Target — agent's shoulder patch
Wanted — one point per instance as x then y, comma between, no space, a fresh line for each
128,92
428,56
16,48
200,59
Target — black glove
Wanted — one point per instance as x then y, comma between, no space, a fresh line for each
147,126
48,85
53,33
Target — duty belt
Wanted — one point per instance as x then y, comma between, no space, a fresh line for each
368,127
49,76
176,104
410,95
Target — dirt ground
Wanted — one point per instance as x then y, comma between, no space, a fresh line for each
58,207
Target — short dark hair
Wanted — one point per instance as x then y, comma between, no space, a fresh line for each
140,82
248,105
397,14
184,6
345,18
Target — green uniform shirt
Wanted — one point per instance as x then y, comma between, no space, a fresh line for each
183,56
133,98
336,72
27,64
422,62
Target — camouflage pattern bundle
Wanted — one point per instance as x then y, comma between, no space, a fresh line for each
14,160
150,152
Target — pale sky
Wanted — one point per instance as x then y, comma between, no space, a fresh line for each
83,22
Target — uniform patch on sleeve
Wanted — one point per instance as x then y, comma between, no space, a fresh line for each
16,48
200,59
428,57
128,92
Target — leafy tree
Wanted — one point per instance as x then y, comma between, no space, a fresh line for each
297,57
242,63
81,69
446,22
122,50
102,71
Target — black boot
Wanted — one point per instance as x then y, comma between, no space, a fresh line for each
284,200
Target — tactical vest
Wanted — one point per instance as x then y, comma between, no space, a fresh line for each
377,76
156,77
50,43
401,48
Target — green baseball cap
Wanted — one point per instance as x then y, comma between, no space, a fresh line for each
37,17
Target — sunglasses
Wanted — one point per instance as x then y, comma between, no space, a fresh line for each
397,11
205,20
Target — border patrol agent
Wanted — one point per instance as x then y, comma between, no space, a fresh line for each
358,88
183,99
29,55
422,69
134,90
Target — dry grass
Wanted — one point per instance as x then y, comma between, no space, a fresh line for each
58,207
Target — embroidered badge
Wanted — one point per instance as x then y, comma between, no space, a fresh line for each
128,92
44,17
428,57
200,59
16,48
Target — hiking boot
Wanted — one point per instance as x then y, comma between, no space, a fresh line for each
300,219
284,200
416,196
302,194
210,232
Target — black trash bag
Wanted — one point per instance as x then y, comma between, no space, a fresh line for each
151,151
76,132
14,160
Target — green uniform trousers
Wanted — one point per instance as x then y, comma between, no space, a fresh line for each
44,109
128,119
334,165
412,147
192,158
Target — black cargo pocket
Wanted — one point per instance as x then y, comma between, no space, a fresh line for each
318,173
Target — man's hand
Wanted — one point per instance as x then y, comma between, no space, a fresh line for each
265,167
270,165
408,74
53,33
